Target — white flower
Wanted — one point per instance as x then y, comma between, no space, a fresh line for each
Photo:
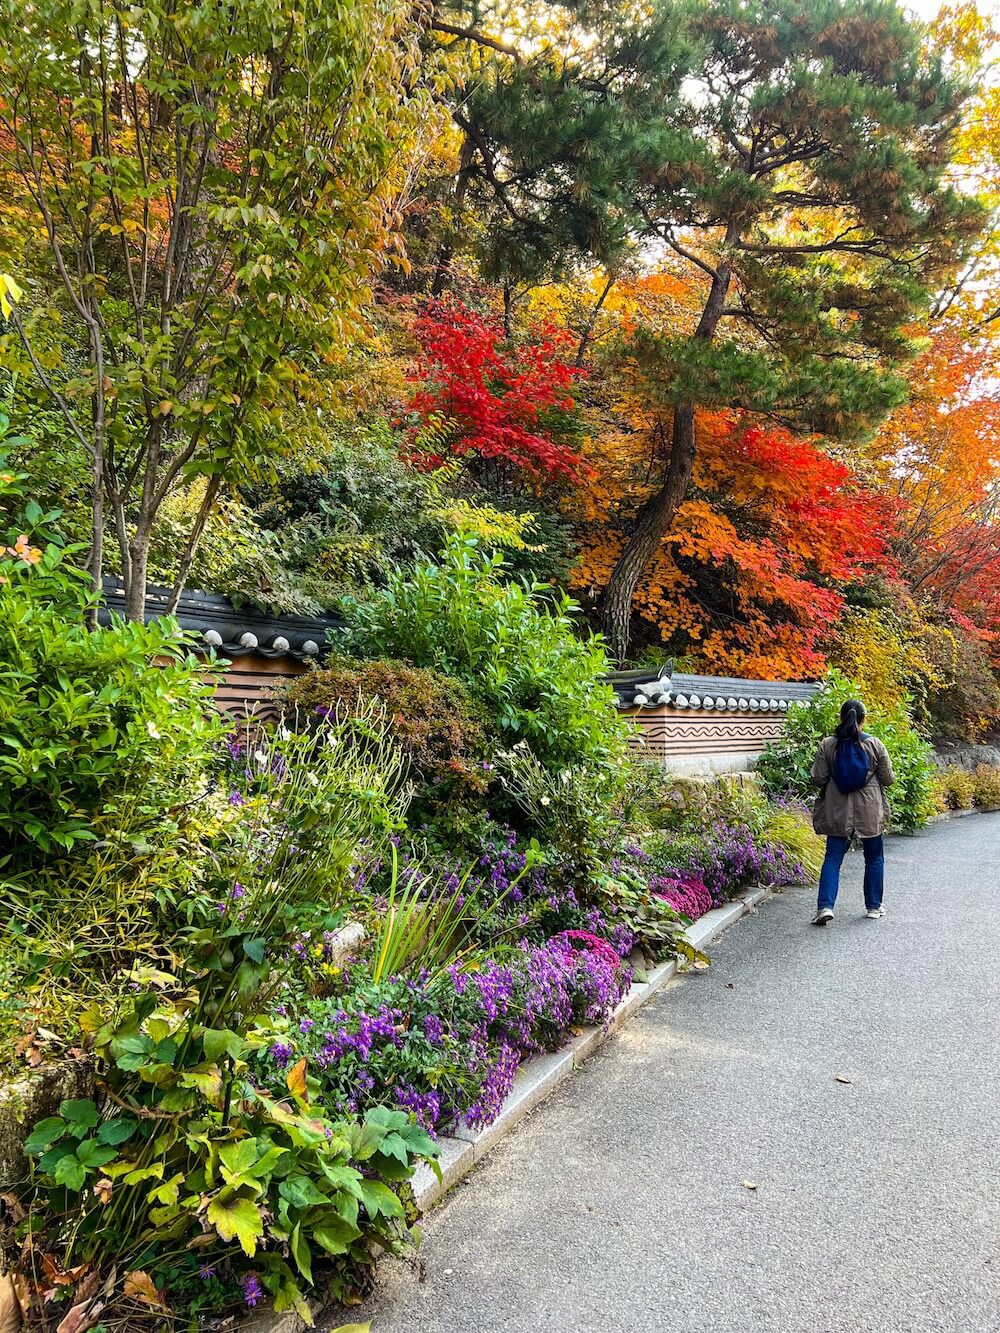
545,801
153,730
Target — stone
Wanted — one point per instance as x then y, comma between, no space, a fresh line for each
32,1097
958,754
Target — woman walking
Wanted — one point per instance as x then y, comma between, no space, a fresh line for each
853,770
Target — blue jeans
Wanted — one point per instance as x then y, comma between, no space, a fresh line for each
829,879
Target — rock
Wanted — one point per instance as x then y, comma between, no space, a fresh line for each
29,1098
343,943
960,754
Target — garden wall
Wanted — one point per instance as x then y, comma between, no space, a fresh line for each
704,724
255,650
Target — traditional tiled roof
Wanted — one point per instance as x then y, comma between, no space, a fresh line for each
653,688
232,632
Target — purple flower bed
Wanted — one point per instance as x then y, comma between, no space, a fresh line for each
450,1047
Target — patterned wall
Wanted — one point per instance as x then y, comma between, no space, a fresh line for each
672,733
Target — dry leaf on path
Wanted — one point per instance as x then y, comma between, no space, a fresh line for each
842,1078
749,1184
141,1287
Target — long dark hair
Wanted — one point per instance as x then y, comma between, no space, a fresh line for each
852,714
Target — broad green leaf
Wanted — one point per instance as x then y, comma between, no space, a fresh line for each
70,1171
117,1130
301,1253
221,1041
379,1199
94,1154
238,1160
335,1235
80,1112
301,1192
44,1135
237,1218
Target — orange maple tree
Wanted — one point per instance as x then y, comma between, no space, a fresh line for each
750,581
939,457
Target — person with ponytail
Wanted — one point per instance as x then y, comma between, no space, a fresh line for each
852,770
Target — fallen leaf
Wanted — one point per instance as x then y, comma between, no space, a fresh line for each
81,1317
749,1184
730,986
103,1190
14,1206
60,1277
353,1328
842,1078
140,1287
295,1080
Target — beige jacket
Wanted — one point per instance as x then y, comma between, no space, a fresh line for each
865,812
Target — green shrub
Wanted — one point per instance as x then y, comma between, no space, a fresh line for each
785,764
954,789
986,787
515,646
90,719
432,720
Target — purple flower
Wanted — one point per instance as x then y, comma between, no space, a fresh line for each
253,1292
281,1053
235,799
206,1271
433,1029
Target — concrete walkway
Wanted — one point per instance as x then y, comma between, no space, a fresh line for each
620,1205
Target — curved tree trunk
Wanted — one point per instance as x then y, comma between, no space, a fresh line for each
657,514
655,520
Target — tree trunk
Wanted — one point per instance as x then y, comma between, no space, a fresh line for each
191,546
135,591
655,520
657,514
446,251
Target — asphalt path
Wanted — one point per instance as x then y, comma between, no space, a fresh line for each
805,1139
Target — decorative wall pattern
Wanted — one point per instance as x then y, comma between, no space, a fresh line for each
666,732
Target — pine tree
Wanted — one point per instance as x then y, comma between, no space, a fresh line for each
793,154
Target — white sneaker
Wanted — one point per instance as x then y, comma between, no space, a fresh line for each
824,915
875,913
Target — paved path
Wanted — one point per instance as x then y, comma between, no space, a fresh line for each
618,1206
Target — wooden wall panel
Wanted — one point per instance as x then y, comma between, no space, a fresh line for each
247,688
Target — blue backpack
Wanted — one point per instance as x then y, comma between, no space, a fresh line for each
851,767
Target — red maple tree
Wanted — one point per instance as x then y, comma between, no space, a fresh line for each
488,397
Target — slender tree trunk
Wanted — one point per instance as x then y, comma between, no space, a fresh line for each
591,324
654,523
135,592
191,546
446,251
657,514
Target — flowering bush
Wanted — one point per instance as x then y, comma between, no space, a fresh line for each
448,1046
690,897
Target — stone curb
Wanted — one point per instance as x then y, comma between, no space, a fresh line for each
960,814
534,1080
